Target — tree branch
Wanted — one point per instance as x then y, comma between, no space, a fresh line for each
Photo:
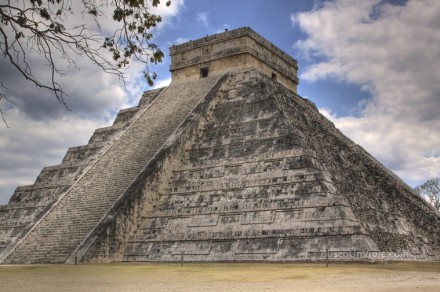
37,26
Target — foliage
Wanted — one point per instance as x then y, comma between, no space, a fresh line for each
430,190
45,27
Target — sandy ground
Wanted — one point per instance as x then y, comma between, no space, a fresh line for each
222,277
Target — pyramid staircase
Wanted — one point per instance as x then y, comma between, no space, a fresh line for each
224,168
105,168
30,203
227,163
249,189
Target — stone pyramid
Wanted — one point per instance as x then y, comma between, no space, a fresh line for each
227,163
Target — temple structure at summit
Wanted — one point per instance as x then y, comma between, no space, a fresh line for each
227,163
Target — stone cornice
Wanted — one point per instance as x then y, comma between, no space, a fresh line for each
227,35
237,50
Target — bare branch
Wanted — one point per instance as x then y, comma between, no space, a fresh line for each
5,98
39,26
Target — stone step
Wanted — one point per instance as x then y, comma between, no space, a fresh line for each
239,137
149,96
90,198
271,168
265,157
237,180
105,134
247,175
248,148
125,115
242,204
35,196
84,152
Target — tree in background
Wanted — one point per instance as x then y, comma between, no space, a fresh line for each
430,191
45,28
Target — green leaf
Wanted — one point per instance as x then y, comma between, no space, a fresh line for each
21,20
149,80
44,13
116,55
19,35
156,2
118,14
93,12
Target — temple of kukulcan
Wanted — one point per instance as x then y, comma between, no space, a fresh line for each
226,164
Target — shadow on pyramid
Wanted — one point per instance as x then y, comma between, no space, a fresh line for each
227,164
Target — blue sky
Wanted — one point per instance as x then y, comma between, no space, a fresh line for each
370,66
272,20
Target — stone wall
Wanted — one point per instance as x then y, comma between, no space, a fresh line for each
239,48
233,167
243,183
256,186
399,221
30,204
109,239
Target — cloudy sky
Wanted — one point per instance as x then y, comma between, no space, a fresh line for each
371,66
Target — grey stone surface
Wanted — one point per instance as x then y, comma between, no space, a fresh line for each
231,167
235,49
30,203
75,214
254,186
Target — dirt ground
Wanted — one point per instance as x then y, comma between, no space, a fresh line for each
409,276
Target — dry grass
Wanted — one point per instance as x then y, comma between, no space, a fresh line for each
404,276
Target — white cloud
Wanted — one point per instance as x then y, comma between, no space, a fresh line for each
180,40
168,11
393,52
170,14
162,83
29,145
203,19
223,28
42,129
